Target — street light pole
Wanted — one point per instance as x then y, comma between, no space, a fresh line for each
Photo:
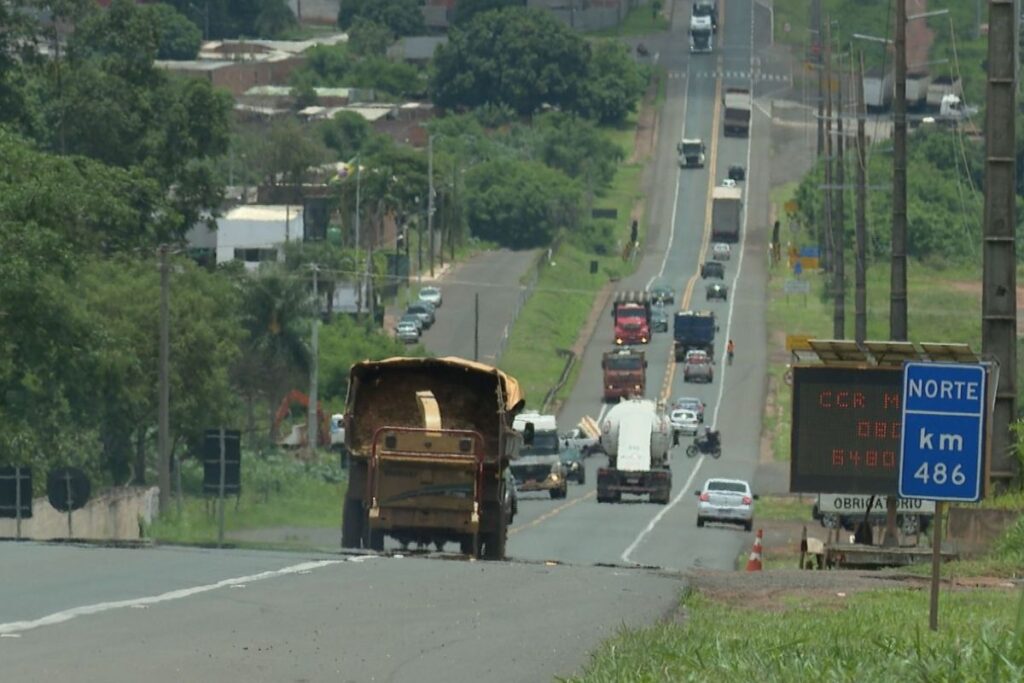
430,199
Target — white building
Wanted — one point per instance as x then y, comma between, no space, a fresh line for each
252,234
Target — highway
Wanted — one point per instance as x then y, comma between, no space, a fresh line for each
578,571
578,529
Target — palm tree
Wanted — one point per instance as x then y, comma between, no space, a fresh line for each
276,313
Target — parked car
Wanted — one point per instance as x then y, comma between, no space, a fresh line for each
712,269
511,501
431,295
424,311
412,318
663,293
684,421
721,251
659,319
717,290
697,367
726,500
691,403
407,332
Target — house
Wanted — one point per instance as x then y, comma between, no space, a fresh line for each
417,50
252,234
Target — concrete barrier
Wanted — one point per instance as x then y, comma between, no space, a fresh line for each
972,531
115,515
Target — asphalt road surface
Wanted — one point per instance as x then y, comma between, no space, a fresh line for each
77,613
494,276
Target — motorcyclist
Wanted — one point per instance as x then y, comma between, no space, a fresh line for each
711,440
730,349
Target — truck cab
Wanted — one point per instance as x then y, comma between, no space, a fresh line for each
631,312
705,9
625,373
701,34
691,153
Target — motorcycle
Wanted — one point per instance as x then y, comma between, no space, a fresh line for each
704,446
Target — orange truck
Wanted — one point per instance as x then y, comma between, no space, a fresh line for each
625,373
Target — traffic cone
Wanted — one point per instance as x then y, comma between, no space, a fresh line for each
754,563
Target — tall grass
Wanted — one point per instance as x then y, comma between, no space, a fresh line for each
875,636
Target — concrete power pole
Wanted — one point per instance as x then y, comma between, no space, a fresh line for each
839,224
312,423
999,279
164,391
898,269
898,284
829,210
860,326
816,51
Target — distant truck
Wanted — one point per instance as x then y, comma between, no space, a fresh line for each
726,214
691,153
430,440
706,8
736,119
539,466
701,34
694,330
939,88
878,90
625,373
637,435
631,313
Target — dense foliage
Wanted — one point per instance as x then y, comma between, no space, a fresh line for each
402,17
527,60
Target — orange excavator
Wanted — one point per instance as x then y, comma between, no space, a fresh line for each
284,410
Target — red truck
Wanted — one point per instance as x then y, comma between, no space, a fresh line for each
625,373
631,312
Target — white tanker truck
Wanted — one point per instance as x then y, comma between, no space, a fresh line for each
636,435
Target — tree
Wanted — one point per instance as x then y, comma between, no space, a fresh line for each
520,204
576,147
402,17
368,38
613,85
177,36
288,153
328,65
524,58
346,133
397,79
465,10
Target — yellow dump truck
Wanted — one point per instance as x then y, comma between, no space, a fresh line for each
429,440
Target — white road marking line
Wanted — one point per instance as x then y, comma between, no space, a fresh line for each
728,326
15,627
675,200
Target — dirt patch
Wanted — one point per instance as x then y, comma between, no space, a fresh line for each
919,36
647,124
974,288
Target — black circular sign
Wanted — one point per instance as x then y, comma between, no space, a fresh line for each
67,488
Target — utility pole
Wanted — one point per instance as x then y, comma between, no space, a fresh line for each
312,424
898,268
898,285
827,71
163,419
999,258
430,199
839,225
816,51
359,178
860,332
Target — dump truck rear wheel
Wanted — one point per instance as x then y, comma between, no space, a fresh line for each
352,524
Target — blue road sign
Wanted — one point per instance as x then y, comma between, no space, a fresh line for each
943,423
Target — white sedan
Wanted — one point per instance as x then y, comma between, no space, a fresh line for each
684,421
431,295
721,251
726,500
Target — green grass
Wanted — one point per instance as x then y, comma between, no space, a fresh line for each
639,21
878,635
552,318
276,491
784,508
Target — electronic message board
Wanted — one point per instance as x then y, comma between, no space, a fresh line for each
846,429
